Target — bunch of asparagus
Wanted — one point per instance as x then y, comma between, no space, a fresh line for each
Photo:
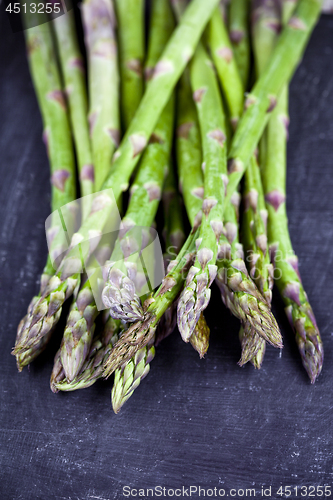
191,90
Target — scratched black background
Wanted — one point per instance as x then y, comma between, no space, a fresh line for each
191,422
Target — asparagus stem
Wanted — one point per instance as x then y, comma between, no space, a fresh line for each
72,67
46,79
128,377
263,97
122,291
226,66
240,37
99,26
191,183
188,150
130,17
287,277
104,116
266,24
167,71
238,291
195,297
254,238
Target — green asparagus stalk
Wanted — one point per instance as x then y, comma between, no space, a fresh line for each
254,229
191,183
130,19
226,66
188,150
46,79
99,26
266,25
72,67
101,47
128,377
174,237
287,277
263,97
195,297
93,366
240,37
122,291
286,273
170,66
238,291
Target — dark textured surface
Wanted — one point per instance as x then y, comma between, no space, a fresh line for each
192,422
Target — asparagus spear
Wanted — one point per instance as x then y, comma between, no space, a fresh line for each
191,183
122,291
103,85
262,99
177,52
195,297
240,37
266,24
188,150
130,17
72,67
238,291
99,26
128,377
174,238
93,366
287,277
46,78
